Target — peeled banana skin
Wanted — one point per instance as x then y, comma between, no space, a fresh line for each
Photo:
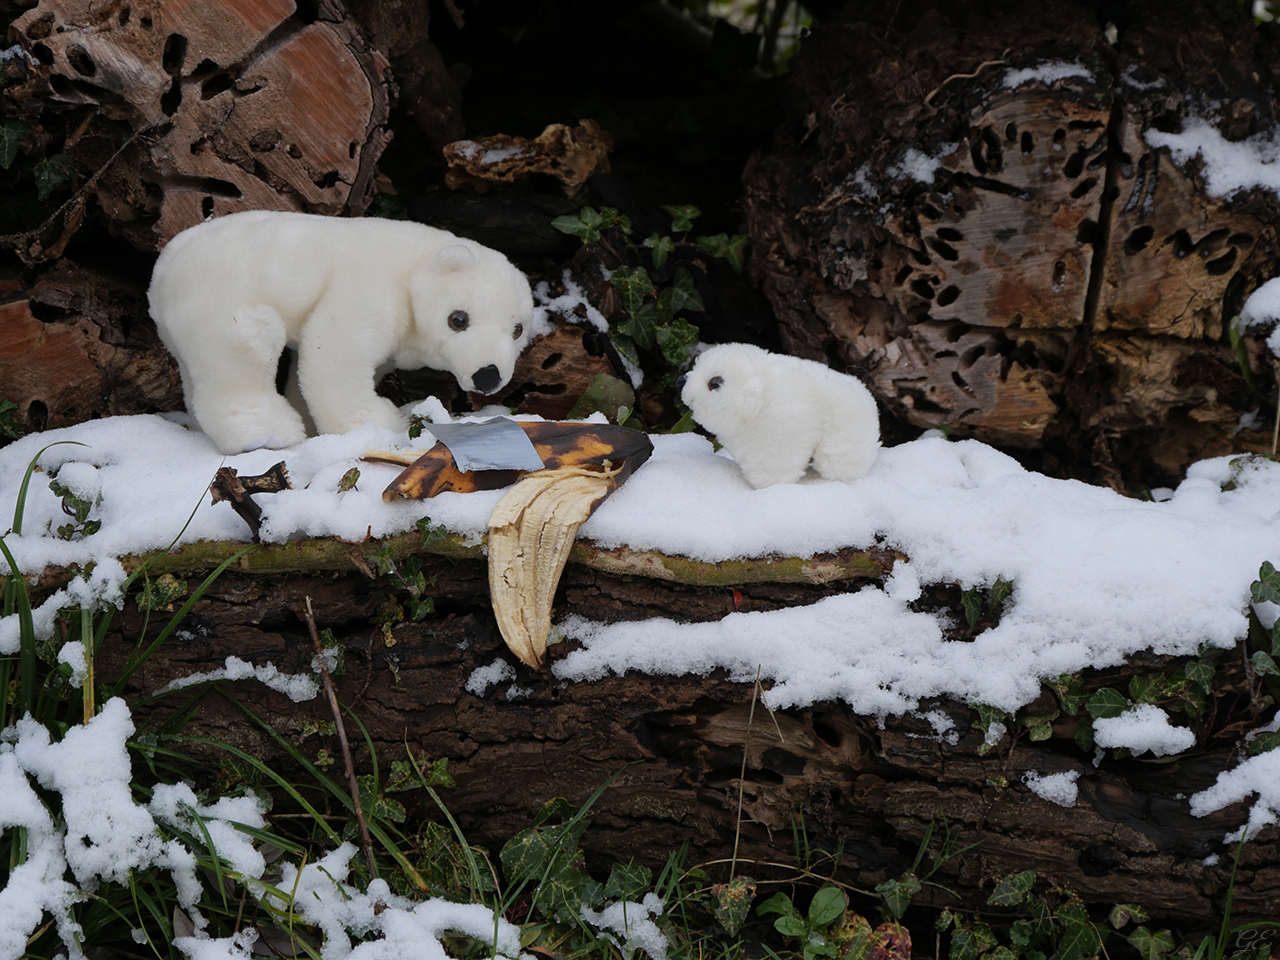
533,527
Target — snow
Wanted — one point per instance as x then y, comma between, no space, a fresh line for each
1096,577
1227,166
1059,788
632,922
1142,728
1045,73
1261,310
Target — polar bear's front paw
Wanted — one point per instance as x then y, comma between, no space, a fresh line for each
380,412
242,426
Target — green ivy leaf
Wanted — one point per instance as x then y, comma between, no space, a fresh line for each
682,294
1106,703
1070,691
682,217
1080,938
1262,663
733,901
676,340
1267,586
1012,889
780,904
971,941
633,285
11,135
897,894
828,906
1144,690
660,248
1200,672
1151,946
628,881
732,249
50,174
684,425
585,226
1001,591
1264,742
642,326
1122,914
605,394
971,601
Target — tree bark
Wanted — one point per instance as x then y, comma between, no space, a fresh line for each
676,744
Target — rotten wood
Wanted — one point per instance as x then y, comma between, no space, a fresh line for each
1001,252
235,105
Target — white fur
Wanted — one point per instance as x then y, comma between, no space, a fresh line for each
351,295
775,414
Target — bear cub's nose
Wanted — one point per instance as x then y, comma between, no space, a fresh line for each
486,379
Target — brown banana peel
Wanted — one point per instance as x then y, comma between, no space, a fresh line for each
533,527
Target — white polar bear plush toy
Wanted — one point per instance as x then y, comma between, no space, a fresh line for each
355,297
775,414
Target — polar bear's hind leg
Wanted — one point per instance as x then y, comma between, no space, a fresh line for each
234,397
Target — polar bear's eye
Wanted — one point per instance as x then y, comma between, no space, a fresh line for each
459,320
515,334
715,383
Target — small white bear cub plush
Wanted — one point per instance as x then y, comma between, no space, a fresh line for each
775,414
355,297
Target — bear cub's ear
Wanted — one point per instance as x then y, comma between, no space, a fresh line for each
455,256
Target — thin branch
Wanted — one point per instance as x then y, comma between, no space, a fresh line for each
352,784
742,776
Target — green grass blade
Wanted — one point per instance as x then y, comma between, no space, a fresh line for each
175,621
26,635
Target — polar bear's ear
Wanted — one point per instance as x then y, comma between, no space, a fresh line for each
455,256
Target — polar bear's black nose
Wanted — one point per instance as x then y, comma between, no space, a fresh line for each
486,379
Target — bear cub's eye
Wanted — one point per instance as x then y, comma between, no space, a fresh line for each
459,320
715,383
515,334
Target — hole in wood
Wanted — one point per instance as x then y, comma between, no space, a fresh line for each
145,23
1083,187
995,152
977,152
1086,232
1075,164
1241,239
1099,160
1224,263
552,360
1059,275
972,356
945,251
930,211
901,276
1028,142
351,150
330,179
922,288
948,233
922,256
171,99
960,382
175,54
123,16
220,82
1182,245
1212,242
1059,138
948,295
1137,241
206,207
1083,124
826,734
219,188
42,53
37,415
80,60
956,331
1011,132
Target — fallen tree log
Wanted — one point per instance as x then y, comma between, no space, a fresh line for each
872,790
